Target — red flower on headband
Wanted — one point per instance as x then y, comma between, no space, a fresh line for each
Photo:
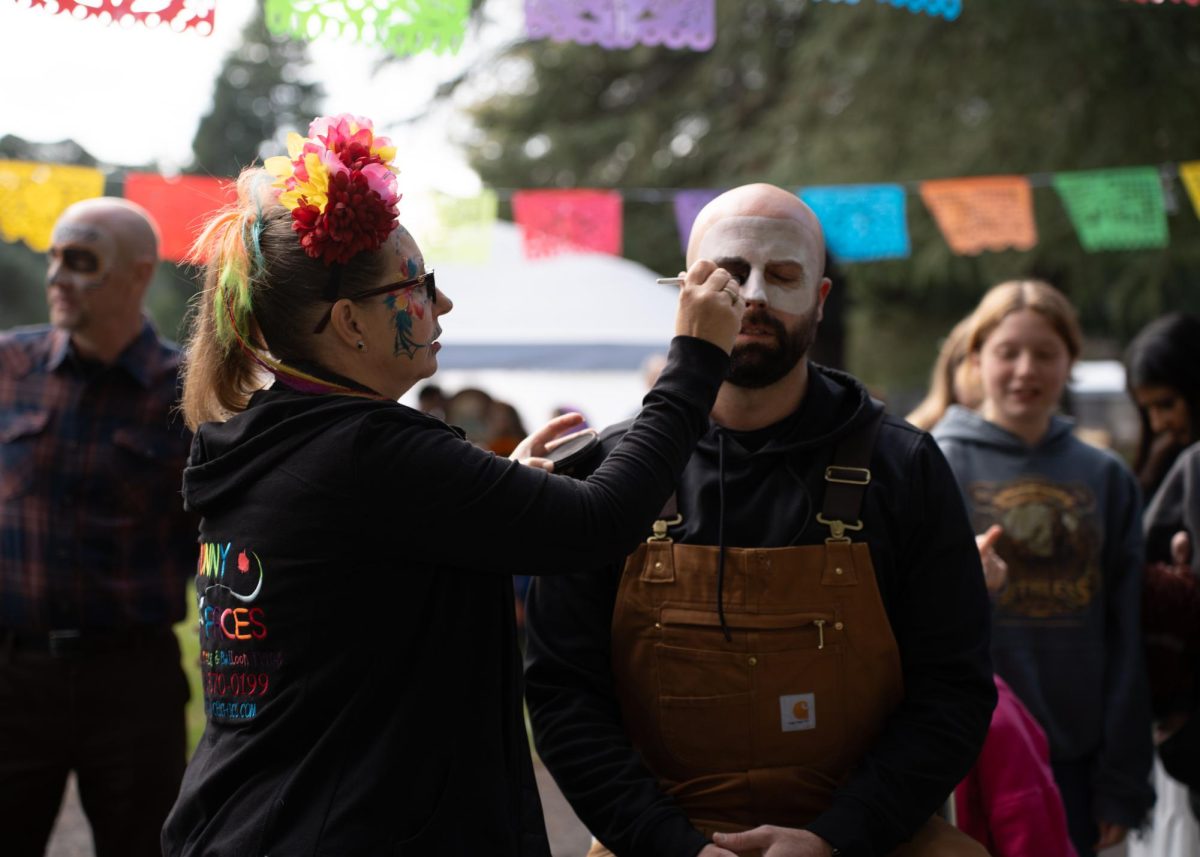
340,187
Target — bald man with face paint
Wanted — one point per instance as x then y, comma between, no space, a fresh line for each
795,661
95,545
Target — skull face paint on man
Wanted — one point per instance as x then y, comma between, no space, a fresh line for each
81,258
778,267
768,256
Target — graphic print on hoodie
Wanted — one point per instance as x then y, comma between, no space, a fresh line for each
1051,542
236,673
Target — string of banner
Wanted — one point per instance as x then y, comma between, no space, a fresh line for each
406,27
1112,209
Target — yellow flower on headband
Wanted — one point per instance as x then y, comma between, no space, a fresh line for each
314,190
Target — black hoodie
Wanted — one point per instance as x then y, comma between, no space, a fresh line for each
929,575
362,680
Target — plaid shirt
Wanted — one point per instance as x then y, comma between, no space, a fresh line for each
93,534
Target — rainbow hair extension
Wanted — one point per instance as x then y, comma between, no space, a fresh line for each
223,249
231,245
257,187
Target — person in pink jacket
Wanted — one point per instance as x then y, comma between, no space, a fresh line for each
1009,801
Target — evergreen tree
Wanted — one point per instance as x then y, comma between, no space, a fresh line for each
258,94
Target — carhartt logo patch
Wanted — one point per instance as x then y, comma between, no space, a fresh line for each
798,712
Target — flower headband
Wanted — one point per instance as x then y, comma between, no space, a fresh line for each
340,185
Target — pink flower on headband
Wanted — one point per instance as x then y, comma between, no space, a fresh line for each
340,186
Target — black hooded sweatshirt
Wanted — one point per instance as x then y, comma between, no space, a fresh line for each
358,646
764,489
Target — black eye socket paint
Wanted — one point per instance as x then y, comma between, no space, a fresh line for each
80,261
738,273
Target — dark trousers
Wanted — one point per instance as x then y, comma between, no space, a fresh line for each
116,718
1074,781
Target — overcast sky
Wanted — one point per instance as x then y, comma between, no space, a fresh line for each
131,95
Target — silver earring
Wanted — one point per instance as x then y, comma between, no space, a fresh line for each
360,345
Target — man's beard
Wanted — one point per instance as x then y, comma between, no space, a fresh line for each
759,364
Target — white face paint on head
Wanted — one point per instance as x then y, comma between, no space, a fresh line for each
80,256
773,258
82,259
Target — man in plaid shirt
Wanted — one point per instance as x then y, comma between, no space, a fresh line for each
95,546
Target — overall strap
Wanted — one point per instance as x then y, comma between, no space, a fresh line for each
846,479
668,517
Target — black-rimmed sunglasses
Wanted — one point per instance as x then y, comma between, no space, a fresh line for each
426,280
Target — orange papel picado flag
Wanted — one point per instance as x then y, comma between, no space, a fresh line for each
983,213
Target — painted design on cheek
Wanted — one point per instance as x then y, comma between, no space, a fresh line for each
409,302
404,305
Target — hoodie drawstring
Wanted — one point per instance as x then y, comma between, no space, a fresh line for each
721,536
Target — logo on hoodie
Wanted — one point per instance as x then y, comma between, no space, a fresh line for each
1051,542
237,672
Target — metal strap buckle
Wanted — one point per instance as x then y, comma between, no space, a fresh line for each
660,529
847,475
838,528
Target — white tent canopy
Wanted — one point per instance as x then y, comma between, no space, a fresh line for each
572,329
572,311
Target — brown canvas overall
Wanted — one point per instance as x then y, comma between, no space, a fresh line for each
760,729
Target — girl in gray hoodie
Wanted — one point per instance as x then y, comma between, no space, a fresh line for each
1066,632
